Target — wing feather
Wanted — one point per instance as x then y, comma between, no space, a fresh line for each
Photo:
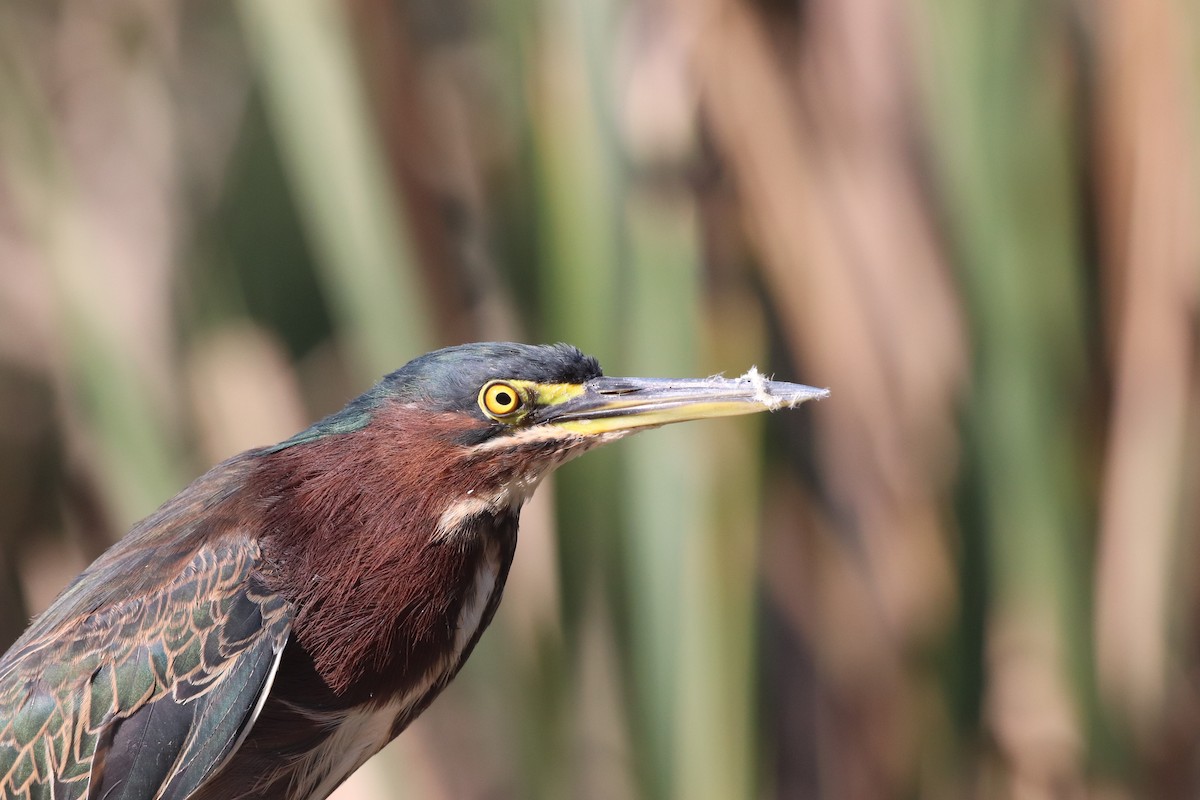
142,698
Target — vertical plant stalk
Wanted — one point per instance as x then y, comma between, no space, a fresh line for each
303,53
1000,99
578,179
1150,238
92,191
865,303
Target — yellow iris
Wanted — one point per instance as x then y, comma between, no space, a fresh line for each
499,399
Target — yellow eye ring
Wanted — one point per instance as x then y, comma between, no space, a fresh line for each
500,399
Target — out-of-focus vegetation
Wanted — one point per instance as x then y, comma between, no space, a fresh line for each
971,573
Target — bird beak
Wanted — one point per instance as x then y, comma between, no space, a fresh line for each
605,405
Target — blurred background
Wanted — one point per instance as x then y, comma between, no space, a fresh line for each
971,573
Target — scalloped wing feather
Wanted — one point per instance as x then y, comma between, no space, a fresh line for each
147,697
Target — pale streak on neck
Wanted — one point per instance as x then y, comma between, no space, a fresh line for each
511,496
513,493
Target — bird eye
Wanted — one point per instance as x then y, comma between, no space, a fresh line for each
499,399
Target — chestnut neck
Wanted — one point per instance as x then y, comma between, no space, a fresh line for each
351,540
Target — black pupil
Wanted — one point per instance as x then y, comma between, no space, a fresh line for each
503,398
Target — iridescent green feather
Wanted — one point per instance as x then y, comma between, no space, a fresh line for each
198,652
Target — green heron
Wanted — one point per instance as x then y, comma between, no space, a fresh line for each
270,628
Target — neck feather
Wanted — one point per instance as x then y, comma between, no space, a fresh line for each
352,538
